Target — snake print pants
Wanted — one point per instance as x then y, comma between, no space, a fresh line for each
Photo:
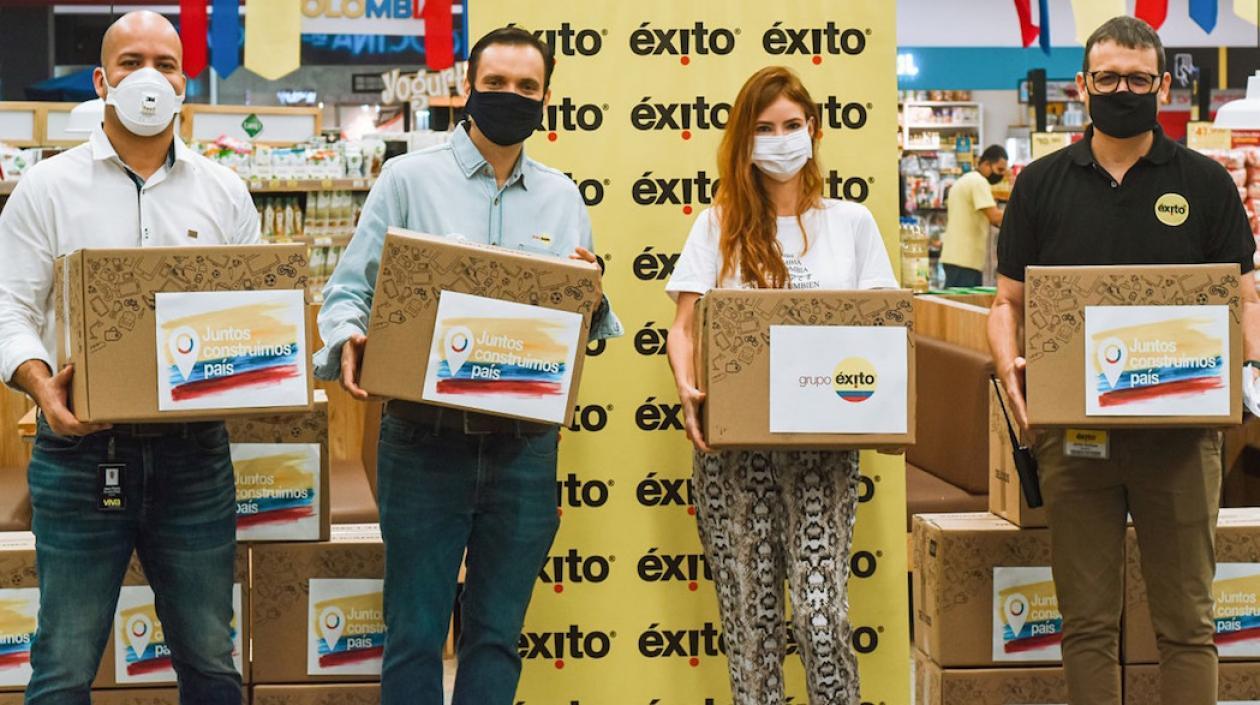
770,517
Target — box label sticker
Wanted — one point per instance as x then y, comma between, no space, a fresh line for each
346,627
231,349
838,379
1237,593
141,654
1157,361
277,491
1027,625
19,608
502,357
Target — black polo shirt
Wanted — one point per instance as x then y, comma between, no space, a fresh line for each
1175,206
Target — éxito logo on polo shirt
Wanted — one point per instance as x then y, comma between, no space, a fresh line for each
1172,209
855,379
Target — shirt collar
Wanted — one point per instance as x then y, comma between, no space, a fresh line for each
470,159
103,149
1162,149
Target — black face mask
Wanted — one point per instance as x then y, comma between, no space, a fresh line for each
1123,114
995,178
504,117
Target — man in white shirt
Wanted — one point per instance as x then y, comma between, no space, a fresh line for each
133,184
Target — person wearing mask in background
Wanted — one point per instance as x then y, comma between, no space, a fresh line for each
133,184
451,481
1096,203
971,210
769,516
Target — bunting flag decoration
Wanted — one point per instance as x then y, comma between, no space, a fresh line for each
273,37
1044,16
1248,10
225,36
1153,12
439,40
1027,30
1091,14
1203,12
192,34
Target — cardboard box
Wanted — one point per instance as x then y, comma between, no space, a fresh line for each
316,608
1237,592
983,593
1144,363
835,351
218,323
934,685
282,465
349,694
118,668
137,696
19,608
1237,684
511,369
1006,492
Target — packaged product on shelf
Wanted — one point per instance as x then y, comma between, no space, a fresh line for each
915,258
15,162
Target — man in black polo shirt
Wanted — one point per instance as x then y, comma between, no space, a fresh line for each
1096,203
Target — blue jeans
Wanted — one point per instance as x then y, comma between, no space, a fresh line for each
442,492
179,518
962,276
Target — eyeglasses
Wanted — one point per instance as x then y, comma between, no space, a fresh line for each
1109,81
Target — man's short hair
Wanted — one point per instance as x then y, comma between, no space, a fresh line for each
1128,32
513,36
994,154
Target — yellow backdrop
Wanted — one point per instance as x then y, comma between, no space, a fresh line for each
625,613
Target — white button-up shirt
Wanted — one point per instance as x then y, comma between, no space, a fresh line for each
87,198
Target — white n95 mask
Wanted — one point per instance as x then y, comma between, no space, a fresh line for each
144,101
781,157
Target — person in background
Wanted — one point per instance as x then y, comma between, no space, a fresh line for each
971,210
1096,203
453,481
766,517
133,184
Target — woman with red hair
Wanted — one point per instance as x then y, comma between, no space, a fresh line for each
770,516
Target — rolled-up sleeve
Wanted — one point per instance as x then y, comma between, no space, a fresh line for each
348,293
26,278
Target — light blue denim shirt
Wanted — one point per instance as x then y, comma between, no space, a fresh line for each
450,190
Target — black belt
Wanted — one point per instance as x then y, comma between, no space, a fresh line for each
469,423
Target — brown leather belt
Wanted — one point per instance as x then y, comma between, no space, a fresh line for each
468,423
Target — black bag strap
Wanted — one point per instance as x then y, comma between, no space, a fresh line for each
1010,428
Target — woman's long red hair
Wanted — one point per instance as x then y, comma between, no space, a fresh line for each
747,236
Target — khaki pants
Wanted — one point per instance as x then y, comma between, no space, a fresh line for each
1169,480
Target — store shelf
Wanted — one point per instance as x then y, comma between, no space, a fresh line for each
299,185
944,126
6,187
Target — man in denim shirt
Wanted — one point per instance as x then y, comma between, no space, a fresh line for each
449,480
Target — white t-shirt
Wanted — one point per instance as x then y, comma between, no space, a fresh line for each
845,252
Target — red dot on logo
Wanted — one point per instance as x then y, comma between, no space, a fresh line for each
559,663
817,60
685,60
558,588
693,586
691,511
551,136
686,210
686,134
694,662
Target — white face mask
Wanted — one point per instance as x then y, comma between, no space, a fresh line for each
144,101
781,157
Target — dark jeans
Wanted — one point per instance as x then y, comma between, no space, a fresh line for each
180,518
962,276
442,492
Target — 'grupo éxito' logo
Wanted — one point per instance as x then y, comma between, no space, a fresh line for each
682,42
685,191
572,643
855,379
708,640
688,568
698,114
573,567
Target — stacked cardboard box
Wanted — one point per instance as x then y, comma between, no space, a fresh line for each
986,619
